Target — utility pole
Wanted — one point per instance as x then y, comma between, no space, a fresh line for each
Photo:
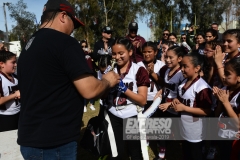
195,24
171,21
6,20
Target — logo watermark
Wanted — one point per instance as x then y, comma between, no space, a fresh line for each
150,128
182,128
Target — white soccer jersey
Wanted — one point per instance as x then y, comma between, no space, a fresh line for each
230,130
7,87
120,99
154,87
171,85
197,95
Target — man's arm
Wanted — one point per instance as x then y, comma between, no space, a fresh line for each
90,87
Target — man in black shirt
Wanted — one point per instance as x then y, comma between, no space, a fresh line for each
104,45
215,27
53,80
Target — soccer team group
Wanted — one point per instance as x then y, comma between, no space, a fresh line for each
194,80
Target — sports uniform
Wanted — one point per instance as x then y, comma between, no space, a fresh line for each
154,86
9,111
121,107
226,127
193,127
171,85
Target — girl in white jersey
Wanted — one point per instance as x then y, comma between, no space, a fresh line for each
170,77
131,91
228,108
10,95
193,103
153,66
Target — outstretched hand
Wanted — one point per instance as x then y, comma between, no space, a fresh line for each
112,77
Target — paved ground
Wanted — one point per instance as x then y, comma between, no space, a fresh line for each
9,149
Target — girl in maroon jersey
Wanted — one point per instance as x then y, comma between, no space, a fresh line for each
231,45
228,109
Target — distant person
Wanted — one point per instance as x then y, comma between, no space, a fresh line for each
137,42
2,47
54,79
104,45
10,95
161,41
90,63
215,27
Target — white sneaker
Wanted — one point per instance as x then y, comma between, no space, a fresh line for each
85,109
92,107
161,152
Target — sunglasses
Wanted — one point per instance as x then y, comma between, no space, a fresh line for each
108,32
183,37
133,30
165,34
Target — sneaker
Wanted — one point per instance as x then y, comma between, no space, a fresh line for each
85,109
211,153
92,108
161,153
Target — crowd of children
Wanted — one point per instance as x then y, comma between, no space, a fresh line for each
192,86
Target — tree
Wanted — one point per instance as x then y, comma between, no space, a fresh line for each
93,13
207,12
24,20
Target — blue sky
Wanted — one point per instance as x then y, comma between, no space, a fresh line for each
36,7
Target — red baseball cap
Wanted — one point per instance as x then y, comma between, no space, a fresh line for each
63,5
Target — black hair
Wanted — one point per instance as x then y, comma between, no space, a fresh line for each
235,32
214,23
150,44
196,59
214,44
213,32
166,30
201,34
235,64
169,43
104,61
172,34
84,41
125,42
179,50
47,16
6,55
207,65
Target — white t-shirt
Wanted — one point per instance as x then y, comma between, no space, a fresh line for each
7,87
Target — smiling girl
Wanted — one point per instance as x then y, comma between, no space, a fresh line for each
193,103
10,95
228,108
131,91
153,67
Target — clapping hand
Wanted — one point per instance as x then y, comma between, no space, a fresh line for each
221,95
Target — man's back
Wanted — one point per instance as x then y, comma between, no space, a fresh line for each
51,110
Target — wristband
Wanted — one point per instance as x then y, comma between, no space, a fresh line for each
121,87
